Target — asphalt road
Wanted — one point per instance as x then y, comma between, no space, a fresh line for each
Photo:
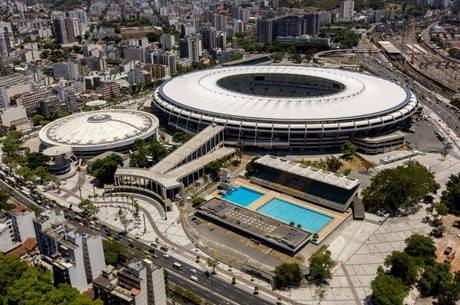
207,287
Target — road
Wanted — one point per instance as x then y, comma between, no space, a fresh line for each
208,287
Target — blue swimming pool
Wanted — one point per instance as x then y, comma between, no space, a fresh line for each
242,196
285,211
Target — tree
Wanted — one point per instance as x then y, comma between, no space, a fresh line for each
287,275
399,189
38,118
333,164
348,149
36,159
212,263
88,207
451,196
213,168
420,246
436,279
4,204
11,144
125,221
24,285
115,252
321,265
11,269
136,208
104,169
402,266
388,290
138,160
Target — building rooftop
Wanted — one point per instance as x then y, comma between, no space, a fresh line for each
255,224
173,159
358,95
389,47
330,178
97,130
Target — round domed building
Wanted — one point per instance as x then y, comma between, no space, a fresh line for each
288,107
92,133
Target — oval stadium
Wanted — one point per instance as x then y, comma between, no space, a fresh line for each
291,107
94,132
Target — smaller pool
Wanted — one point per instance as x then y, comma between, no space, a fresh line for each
287,212
242,196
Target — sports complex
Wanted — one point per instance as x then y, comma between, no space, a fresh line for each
289,107
94,132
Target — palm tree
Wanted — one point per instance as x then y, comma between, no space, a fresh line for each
125,221
213,264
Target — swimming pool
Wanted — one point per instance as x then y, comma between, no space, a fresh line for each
285,211
242,196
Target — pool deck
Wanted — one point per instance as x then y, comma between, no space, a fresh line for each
337,217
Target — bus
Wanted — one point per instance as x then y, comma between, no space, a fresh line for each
177,265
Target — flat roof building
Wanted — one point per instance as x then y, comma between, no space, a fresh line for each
139,283
328,189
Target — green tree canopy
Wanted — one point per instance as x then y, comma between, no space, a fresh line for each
24,285
38,118
388,290
436,279
402,266
4,205
88,207
348,149
399,189
287,275
104,169
420,246
451,196
321,265
36,159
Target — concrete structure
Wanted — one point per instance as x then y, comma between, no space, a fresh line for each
94,132
77,257
59,164
179,169
269,231
139,283
328,189
346,10
16,226
287,26
66,70
285,107
16,116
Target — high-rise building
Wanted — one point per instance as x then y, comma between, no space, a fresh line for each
191,48
287,26
219,22
4,99
237,12
165,58
139,283
66,70
6,38
15,228
66,29
265,31
238,26
209,36
221,40
346,10
167,41
31,100
77,257
80,15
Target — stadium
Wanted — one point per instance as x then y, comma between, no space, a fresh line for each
94,132
289,107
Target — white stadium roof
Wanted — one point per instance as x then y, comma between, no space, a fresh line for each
99,130
362,96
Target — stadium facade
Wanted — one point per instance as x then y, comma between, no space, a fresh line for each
289,107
